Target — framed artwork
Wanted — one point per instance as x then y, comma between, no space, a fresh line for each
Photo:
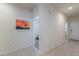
21,24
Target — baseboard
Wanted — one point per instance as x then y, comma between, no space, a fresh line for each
14,50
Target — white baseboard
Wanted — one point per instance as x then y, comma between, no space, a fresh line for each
5,53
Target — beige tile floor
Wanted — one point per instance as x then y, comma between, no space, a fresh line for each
22,52
69,48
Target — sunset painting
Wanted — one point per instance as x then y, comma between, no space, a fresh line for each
20,24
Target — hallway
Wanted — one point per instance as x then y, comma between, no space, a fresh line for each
50,25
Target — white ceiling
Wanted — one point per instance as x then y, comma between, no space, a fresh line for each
63,7
28,5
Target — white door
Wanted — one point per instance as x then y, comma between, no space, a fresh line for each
66,31
36,31
74,30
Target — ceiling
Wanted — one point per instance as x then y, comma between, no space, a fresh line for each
28,5
63,7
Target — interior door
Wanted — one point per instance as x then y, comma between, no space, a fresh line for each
74,30
36,32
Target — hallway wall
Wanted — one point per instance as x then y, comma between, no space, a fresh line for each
52,28
10,38
56,28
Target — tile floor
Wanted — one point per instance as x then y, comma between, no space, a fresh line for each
70,48
22,52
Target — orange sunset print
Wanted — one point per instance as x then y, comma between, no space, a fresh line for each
20,24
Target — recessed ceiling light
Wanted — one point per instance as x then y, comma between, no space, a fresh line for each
70,8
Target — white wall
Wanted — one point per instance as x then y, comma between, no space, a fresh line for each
44,18
10,38
56,28
52,28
